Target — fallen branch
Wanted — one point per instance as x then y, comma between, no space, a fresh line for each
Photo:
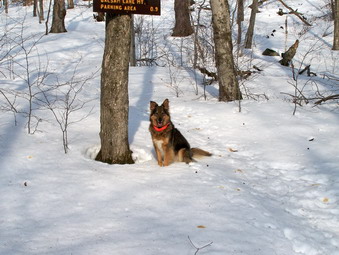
308,69
295,13
332,97
330,77
203,70
257,68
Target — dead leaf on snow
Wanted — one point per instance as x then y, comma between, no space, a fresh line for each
232,150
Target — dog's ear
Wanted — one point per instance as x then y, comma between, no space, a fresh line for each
166,104
153,105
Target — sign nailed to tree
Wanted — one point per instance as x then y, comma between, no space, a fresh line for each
149,7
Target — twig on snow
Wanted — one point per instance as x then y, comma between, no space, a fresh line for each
198,248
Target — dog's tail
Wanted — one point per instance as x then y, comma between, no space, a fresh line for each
199,153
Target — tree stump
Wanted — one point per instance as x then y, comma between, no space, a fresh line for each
289,54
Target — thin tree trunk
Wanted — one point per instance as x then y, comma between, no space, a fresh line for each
48,14
336,26
35,7
6,6
114,91
59,13
41,11
70,4
240,19
183,26
250,31
228,83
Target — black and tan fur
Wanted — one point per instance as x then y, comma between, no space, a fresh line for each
169,144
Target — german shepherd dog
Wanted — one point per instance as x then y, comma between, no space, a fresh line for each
169,144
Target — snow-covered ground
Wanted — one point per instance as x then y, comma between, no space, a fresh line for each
271,186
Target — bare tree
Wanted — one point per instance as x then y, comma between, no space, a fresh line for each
32,76
6,5
41,11
48,14
336,26
38,9
240,19
183,25
59,13
35,8
228,84
62,100
114,91
250,31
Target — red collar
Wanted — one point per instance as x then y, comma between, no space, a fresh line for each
162,128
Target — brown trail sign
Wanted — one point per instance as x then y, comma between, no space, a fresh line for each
148,7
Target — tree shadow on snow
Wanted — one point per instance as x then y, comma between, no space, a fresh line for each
138,112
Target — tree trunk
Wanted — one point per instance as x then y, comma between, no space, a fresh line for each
332,8
228,83
35,7
6,6
59,13
250,31
183,25
289,54
114,91
336,26
41,11
70,4
240,19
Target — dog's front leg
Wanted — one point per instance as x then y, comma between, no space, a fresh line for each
168,155
159,155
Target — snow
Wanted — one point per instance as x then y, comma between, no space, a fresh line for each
271,186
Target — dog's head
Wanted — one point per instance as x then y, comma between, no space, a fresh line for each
159,116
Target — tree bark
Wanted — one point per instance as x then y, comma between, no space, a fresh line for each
114,91
333,8
240,19
41,11
183,25
59,13
35,7
228,83
250,31
133,59
289,54
6,5
70,4
336,26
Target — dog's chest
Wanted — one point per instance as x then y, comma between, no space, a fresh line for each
159,145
